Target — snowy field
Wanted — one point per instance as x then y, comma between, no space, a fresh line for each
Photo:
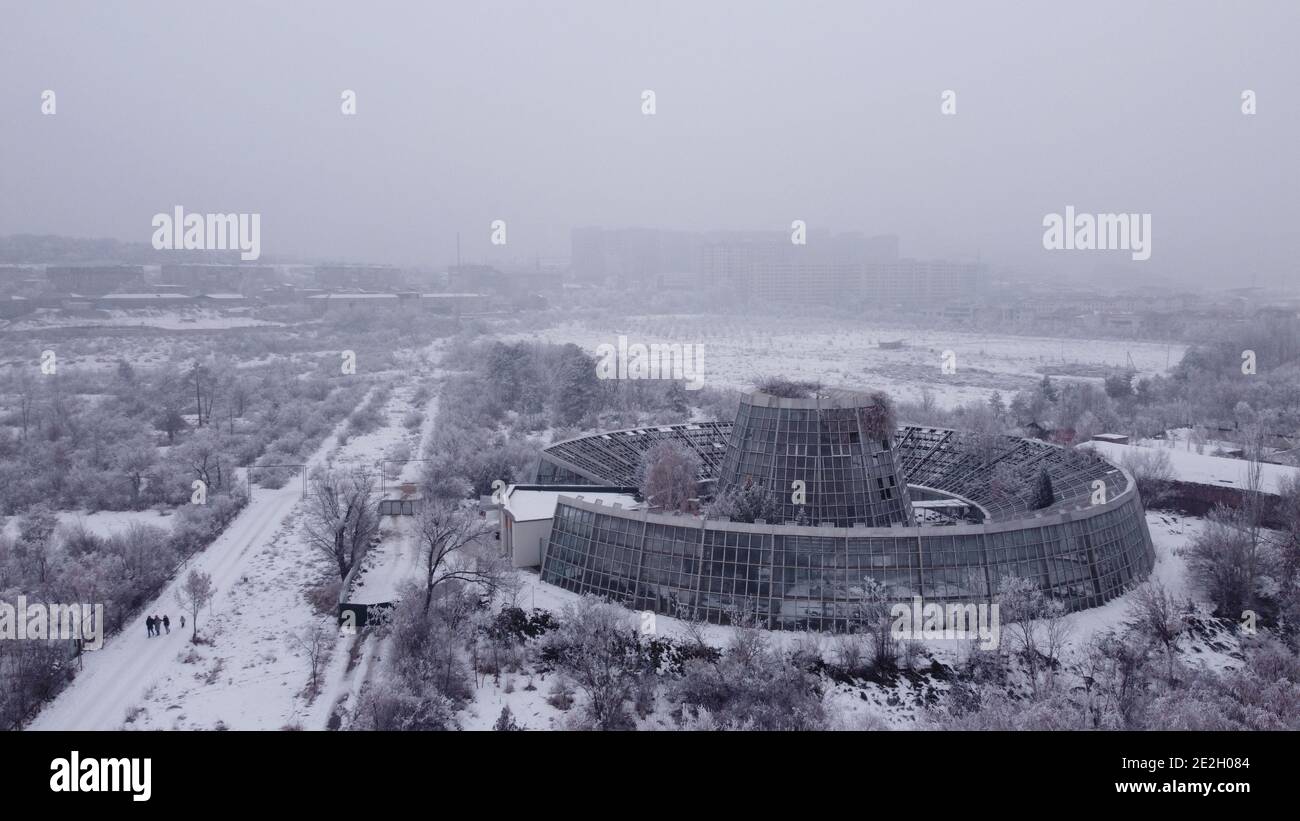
736,354
101,523
1202,469
194,319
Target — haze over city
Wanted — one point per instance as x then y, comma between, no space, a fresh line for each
766,113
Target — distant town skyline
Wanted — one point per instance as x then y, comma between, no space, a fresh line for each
957,128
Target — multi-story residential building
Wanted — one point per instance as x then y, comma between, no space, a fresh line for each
93,280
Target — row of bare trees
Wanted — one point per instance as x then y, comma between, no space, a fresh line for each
428,674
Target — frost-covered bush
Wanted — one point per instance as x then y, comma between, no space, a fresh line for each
387,706
597,648
752,686
196,526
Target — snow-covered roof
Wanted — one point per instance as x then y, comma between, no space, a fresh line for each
939,504
353,296
145,296
1200,469
532,505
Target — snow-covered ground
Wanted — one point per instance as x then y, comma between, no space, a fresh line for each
189,319
1202,469
249,673
101,523
242,677
738,351
396,559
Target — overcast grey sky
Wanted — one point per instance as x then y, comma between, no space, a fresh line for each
766,112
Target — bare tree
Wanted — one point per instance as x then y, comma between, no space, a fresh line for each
1158,618
134,459
26,389
315,642
874,618
1115,681
203,454
1151,471
170,422
36,543
1288,552
1254,502
1021,602
341,520
1219,561
445,530
199,376
1226,557
667,476
194,595
1057,629
1005,482
240,393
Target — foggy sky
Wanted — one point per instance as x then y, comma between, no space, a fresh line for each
766,112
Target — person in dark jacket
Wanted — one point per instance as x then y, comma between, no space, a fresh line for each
148,626
167,624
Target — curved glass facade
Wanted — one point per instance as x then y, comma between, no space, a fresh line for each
839,447
806,578
1087,545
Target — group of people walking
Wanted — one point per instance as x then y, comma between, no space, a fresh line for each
157,625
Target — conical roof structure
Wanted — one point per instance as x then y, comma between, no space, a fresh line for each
827,456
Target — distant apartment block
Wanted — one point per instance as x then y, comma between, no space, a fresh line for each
516,283
921,282
164,301
15,306
93,280
730,260
469,278
631,255
456,304
794,280
764,264
369,277
216,278
344,305
18,274
768,268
